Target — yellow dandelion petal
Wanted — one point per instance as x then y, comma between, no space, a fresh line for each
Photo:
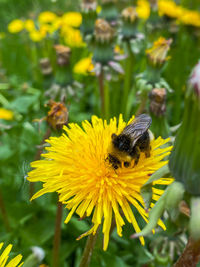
76,167
72,37
5,255
84,66
47,17
6,114
143,9
73,19
16,26
158,52
29,25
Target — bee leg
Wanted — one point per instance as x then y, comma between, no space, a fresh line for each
147,152
126,164
144,144
136,155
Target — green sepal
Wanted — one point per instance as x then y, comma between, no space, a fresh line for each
146,189
194,224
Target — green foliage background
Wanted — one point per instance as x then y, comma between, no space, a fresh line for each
21,90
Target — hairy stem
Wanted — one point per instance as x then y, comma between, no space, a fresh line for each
190,256
87,253
127,79
101,90
57,236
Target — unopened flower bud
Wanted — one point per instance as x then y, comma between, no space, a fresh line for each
88,5
158,101
157,54
63,54
129,22
103,46
58,115
89,16
129,14
109,11
103,31
45,66
194,81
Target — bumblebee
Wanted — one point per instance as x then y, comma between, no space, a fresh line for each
128,145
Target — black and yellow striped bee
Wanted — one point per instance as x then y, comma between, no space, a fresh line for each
130,142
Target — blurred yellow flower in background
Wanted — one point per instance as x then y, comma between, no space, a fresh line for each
75,167
84,66
72,37
169,8
143,9
73,19
6,114
46,17
5,255
29,25
16,26
190,17
37,35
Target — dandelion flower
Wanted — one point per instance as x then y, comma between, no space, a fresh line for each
76,167
6,114
16,26
84,66
73,19
169,8
47,17
38,35
4,258
143,9
29,25
72,37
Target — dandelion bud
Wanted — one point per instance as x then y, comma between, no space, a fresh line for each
63,54
104,35
157,54
129,22
157,108
109,11
184,160
158,101
129,14
194,81
89,16
58,115
88,5
45,66
103,31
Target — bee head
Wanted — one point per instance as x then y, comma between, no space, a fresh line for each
122,142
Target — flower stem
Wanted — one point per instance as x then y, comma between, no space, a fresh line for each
190,256
4,213
37,157
127,79
87,254
102,93
57,236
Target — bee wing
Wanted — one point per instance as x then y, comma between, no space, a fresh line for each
137,127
